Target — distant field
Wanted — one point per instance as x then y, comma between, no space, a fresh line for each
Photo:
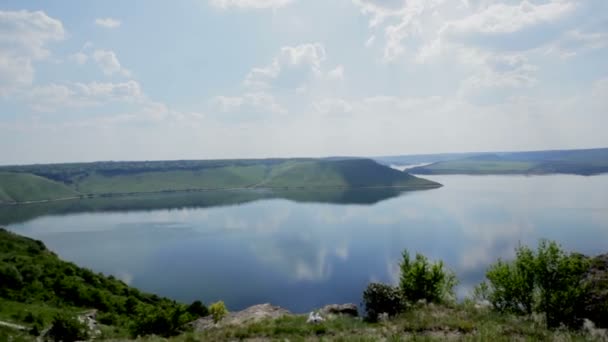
96,179
580,162
476,167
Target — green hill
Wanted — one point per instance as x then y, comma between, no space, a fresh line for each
19,187
35,285
347,173
111,178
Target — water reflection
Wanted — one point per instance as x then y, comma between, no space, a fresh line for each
204,199
304,254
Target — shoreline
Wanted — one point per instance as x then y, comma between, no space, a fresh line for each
281,188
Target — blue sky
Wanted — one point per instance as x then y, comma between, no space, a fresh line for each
142,80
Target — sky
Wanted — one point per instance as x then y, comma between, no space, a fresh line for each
200,79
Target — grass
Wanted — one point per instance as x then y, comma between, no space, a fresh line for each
22,313
17,187
215,178
462,322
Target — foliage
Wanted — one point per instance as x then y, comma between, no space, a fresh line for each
381,298
421,279
547,281
68,329
198,309
218,311
32,274
163,321
513,284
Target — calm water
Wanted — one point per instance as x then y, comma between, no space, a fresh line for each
302,255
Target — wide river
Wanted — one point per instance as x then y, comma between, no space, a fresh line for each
304,254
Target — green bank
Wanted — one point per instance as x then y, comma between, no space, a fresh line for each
60,181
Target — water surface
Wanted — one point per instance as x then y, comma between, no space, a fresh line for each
299,254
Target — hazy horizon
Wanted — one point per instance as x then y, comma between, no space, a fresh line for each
228,79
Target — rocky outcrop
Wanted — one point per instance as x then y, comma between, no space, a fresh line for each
340,309
596,283
252,314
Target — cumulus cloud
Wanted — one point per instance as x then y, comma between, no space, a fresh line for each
108,63
337,73
109,23
52,97
305,55
576,41
333,106
24,39
256,101
244,4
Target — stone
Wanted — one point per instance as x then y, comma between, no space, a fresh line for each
251,314
340,309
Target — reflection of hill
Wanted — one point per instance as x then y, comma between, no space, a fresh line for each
61,181
205,199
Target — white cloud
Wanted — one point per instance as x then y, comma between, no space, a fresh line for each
502,18
109,23
501,71
24,37
108,62
52,97
333,106
370,41
337,73
257,101
244,4
307,55
576,41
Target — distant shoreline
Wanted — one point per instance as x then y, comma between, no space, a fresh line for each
295,188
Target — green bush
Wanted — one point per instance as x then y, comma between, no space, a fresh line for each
381,298
421,279
548,281
197,309
513,284
68,329
218,311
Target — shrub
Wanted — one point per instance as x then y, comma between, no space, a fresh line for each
381,298
198,309
158,320
218,311
547,281
68,329
513,284
421,279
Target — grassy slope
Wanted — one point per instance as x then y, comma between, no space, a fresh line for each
461,322
136,178
17,187
341,173
214,178
34,280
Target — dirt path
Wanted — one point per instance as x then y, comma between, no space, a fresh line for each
12,326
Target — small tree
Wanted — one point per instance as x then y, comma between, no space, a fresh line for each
68,329
218,311
381,298
421,279
548,281
198,309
